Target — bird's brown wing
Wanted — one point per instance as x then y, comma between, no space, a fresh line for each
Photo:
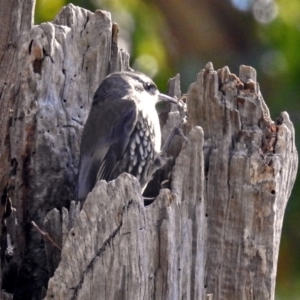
104,140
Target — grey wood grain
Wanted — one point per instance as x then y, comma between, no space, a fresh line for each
214,233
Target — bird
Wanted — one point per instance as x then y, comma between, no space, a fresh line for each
122,132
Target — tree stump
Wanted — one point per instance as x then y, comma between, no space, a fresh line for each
213,234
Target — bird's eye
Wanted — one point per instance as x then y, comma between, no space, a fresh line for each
150,87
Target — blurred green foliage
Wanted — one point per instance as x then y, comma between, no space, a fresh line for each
274,52
46,10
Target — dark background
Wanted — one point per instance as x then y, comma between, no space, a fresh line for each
166,37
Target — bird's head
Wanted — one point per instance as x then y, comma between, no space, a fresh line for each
135,86
144,89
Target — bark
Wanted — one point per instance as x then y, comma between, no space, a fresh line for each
15,17
56,68
250,168
213,233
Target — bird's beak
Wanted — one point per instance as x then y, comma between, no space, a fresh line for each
166,98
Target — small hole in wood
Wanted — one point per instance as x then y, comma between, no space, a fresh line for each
206,215
37,66
65,100
273,192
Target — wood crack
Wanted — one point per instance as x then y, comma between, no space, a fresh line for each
101,251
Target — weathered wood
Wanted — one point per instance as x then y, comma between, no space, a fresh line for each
120,249
56,68
53,228
251,165
223,237
214,233
56,227
11,27
68,219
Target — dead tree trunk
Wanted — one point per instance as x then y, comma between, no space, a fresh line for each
214,234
